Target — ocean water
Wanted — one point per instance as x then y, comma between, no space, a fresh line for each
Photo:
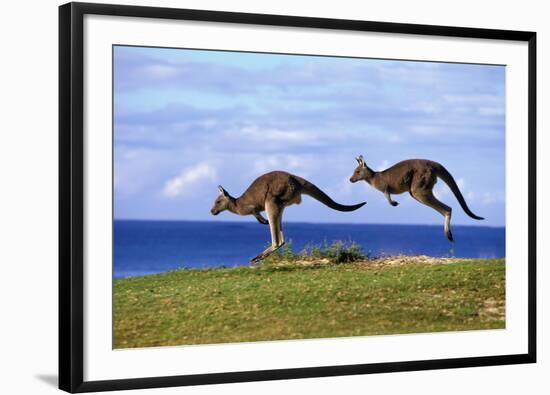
146,247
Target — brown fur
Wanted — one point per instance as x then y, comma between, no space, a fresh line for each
418,177
272,192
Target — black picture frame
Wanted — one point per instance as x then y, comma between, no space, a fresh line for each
71,195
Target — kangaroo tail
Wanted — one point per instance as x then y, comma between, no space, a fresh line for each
450,181
311,190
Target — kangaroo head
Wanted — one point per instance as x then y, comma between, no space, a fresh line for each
361,171
222,202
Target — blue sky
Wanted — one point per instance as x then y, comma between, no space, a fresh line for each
188,120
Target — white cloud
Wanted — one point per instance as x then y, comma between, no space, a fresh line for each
276,135
426,130
266,164
383,165
492,197
133,170
485,105
428,108
394,139
343,189
208,123
441,189
188,179
491,111
301,164
409,74
486,198
160,71
474,99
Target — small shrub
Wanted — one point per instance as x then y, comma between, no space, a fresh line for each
312,250
337,252
317,252
352,253
286,251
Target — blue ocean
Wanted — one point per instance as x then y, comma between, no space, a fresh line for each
146,247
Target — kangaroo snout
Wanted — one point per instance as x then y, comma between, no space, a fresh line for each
214,211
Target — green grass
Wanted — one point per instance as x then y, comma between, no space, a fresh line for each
291,301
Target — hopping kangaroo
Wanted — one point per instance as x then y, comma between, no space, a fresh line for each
272,192
418,177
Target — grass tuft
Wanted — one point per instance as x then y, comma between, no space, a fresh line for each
337,252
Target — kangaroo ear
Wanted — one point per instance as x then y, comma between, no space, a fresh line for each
222,191
360,160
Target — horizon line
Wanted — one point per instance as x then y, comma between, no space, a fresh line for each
301,222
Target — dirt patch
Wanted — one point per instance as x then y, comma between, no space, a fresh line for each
492,310
385,261
402,260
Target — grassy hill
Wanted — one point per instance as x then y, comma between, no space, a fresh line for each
297,297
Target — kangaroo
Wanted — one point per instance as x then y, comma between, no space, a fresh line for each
418,177
272,192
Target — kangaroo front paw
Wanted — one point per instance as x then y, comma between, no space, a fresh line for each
394,204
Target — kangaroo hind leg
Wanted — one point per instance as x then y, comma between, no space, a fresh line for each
274,214
428,198
280,228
